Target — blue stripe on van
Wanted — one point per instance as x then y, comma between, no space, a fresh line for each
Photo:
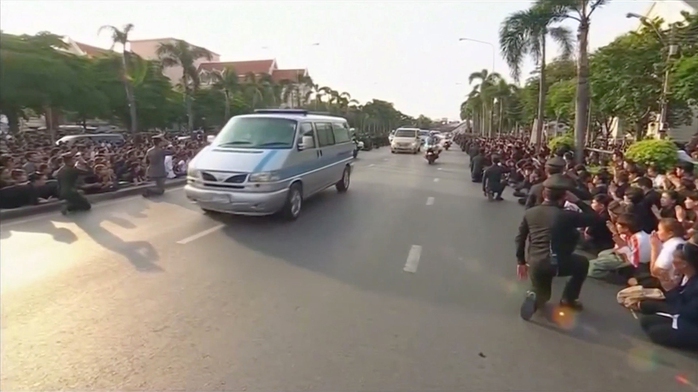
263,162
325,160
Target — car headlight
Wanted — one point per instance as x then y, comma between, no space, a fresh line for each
193,173
414,144
264,177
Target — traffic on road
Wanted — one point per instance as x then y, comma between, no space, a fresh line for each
404,282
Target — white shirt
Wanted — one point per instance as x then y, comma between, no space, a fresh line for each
666,255
658,181
639,249
168,166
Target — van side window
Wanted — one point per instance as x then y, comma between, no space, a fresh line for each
325,136
307,130
341,134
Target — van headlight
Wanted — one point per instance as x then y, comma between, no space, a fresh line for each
414,144
264,177
193,173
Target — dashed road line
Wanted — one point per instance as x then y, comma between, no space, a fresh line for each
430,201
436,180
413,259
200,234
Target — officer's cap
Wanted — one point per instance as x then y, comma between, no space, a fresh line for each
555,162
556,181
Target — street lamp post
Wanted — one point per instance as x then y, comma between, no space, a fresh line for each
673,49
494,56
491,45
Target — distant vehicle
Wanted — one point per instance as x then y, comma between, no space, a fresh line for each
424,135
406,140
270,162
112,138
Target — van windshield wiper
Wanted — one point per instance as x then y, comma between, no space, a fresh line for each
273,144
236,143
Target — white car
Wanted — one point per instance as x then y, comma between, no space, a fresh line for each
406,140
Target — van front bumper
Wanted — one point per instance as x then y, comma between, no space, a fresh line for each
239,203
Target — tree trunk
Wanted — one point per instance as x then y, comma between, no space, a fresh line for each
130,94
227,105
582,99
12,119
190,111
541,96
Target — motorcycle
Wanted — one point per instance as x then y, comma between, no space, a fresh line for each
447,145
431,155
358,146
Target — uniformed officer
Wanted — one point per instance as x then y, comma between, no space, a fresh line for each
555,167
551,232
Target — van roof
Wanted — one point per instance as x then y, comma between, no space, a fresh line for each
295,114
407,129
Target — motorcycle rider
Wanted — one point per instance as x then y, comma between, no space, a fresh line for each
493,178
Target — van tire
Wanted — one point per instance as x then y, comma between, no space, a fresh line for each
294,203
343,184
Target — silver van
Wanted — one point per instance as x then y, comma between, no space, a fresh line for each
270,161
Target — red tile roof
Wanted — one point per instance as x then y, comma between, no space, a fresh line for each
92,51
287,74
170,39
241,67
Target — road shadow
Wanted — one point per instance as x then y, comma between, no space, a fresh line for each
330,238
141,254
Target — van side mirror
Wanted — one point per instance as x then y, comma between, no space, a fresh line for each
210,138
306,142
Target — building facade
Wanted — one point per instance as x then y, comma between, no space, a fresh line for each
148,48
294,77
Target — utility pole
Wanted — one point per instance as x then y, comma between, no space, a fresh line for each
672,50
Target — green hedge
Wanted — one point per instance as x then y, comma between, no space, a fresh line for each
558,142
662,153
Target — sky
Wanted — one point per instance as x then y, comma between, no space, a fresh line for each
406,52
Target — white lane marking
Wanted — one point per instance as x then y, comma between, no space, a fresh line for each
413,259
199,235
385,159
436,180
430,201
371,165
438,168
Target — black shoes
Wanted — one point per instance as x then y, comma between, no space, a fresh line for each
529,306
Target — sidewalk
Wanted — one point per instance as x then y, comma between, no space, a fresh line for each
56,205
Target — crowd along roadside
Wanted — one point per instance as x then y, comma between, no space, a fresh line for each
51,206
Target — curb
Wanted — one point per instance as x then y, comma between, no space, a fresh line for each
56,205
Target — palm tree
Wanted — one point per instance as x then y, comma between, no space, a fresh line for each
254,89
504,93
475,105
180,54
228,82
121,37
524,33
580,11
487,81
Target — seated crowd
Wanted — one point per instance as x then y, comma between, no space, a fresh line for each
28,166
646,233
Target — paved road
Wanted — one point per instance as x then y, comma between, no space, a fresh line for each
154,295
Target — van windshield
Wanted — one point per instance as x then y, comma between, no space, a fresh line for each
257,132
405,133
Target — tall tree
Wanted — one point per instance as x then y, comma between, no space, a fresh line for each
121,37
181,54
485,86
228,82
525,33
579,11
